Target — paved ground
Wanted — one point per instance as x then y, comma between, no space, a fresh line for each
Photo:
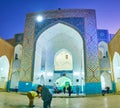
17,100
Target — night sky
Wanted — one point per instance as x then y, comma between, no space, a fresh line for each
13,13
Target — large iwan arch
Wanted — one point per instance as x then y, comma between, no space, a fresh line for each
53,39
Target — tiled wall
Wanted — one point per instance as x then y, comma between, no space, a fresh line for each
74,17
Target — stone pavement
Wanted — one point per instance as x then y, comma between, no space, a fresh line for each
18,100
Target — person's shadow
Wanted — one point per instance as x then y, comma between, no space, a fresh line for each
22,106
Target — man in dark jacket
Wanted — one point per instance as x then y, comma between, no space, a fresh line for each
46,96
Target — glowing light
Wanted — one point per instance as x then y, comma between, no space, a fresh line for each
39,18
82,73
76,73
49,74
1,69
27,83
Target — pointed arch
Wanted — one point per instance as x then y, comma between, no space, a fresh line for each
56,37
106,80
103,49
18,52
57,23
116,66
63,81
63,60
4,70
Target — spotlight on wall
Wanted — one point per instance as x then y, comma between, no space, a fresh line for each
49,74
76,73
27,83
39,18
1,69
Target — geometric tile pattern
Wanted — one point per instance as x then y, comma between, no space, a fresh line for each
84,20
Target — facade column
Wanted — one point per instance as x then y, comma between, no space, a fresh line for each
25,80
92,74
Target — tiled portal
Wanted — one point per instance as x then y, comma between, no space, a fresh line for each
16,100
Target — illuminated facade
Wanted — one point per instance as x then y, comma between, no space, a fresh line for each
6,57
114,53
65,45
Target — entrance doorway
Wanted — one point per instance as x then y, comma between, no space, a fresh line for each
106,81
59,50
62,83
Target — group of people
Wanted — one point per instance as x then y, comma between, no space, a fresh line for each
44,93
69,89
41,92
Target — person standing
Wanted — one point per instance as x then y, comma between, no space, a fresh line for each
77,89
69,90
46,96
64,89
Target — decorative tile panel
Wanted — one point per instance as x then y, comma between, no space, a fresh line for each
83,20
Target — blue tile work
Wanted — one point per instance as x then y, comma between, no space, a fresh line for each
80,89
76,23
113,87
34,86
64,71
19,38
93,88
8,85
27,52
90,37
68,16
25,86
103,35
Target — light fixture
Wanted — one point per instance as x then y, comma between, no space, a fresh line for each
39,18
1,69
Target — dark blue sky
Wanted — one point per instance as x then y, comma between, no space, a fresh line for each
13,13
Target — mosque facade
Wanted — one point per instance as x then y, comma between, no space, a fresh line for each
65,48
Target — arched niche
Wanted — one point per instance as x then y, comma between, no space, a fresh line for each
116,66
106,81
63,81
18,52
103,49
53,39
63,60
4,70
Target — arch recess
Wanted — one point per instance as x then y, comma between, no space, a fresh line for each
18,51
116,66
63,81
103,49
106,80
4,70
57,37
63,60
